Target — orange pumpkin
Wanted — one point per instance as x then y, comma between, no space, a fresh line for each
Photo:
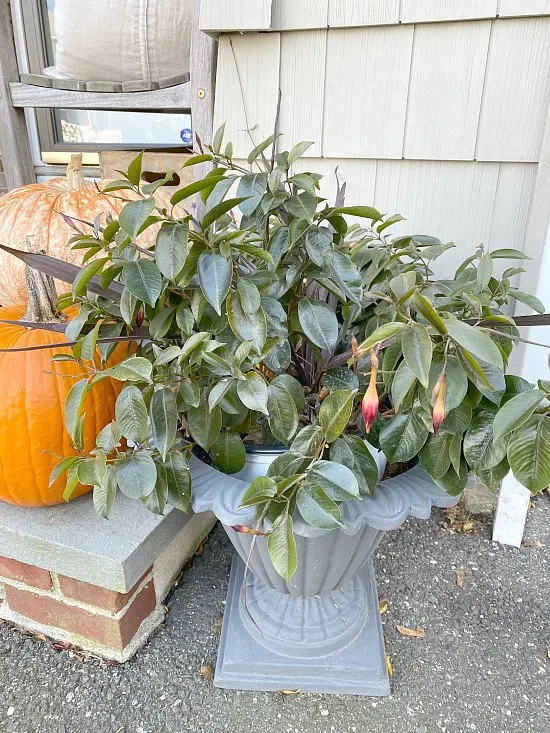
32,399
34,211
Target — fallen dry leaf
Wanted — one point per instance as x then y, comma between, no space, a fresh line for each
460,578
218,625
288,692
207,672
389,665
467,526
383,603
417,633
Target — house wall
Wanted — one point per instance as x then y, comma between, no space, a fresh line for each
435,109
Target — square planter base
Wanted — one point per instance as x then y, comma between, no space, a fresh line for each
357,669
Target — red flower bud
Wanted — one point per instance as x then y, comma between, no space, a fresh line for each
140,317
370,403
247,530
438,394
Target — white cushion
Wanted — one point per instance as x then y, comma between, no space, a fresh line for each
122,40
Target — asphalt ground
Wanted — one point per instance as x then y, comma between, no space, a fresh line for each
483,664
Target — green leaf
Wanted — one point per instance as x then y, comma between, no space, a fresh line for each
104,495
259,149
148,189
452,482
228,452
341,378
516,412
195,187
167,355
527,299
163,414
249,295
365,212
429,312
190,392
253,392
178,479
401,385
302,206
131,414
493,476
134,170
85,275
74,404
133,369
529,453
252,327
109,437
346,276
136,475
402,437
319,244
251,189
484,271
283,415
262,489
297,151
134,215
171,249
287,464
309,441
475,341
218,391
509,254
418,350
317,509
91,471
128,305
403,283
435,454
338,482
216,212
72,481
294,388
335,413
382,333
143,280
364,465
215,274
156,501
480,450
318,322
60,468
281,546
204,424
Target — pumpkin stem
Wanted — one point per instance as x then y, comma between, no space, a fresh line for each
42,297
75,179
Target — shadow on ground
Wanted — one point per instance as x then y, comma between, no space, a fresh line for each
483,665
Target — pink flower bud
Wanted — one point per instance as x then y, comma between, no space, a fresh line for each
438,393
370,403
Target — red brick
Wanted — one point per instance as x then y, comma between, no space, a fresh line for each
29,574
105,630
109,600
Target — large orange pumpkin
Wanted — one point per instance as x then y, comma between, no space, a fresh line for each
34,211
32,400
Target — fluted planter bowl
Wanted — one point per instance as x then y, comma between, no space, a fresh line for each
321,632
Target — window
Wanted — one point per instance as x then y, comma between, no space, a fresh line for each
63,131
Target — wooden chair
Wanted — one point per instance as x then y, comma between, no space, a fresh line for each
19,91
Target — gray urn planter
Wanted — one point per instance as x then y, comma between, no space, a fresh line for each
322,631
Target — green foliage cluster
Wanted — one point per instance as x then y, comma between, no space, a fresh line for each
263,321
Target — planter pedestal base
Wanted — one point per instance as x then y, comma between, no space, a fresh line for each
248,661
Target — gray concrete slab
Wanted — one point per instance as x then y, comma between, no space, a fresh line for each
482,667
71,539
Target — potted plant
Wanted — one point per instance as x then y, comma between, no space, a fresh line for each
285,356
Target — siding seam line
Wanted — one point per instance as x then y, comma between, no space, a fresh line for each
484,88
407,108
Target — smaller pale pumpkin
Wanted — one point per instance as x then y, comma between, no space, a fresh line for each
32,399
33,213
